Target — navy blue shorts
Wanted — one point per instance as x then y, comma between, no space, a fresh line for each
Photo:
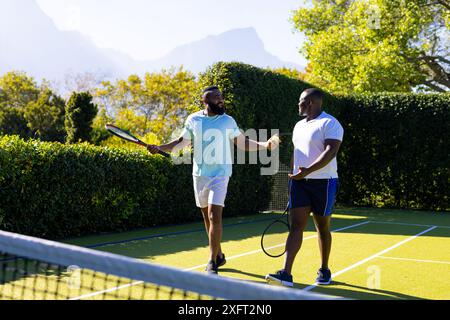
319,194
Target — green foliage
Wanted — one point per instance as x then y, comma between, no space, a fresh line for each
12,121
80,114
395,150
128,120
376,45
29,110
99,134
45,117
291,73
17,89
158,103
54,190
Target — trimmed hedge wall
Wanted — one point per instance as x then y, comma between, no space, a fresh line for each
54,190
395,152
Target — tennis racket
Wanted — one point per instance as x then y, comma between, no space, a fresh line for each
129,137
273,240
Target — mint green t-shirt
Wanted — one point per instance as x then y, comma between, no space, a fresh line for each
211,138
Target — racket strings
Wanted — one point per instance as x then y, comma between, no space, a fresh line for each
273,241
123,134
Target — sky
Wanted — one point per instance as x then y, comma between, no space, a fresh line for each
148,29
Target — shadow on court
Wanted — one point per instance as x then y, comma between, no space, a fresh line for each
260,277
145,244
347,292
364,294
163,243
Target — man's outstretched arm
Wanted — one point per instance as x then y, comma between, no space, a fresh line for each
246,144
178,144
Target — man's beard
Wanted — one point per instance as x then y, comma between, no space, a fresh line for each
303,112
216,109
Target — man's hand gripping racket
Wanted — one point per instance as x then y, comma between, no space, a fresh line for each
131,138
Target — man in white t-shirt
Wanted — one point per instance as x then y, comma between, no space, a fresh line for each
313,182
212,133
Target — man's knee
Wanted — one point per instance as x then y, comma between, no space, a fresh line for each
323,229
299,219
215,216
298,226
324,233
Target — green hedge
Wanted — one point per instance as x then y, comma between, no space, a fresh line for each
54,190
394,152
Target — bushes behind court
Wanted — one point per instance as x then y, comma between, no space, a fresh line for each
395,152
54,190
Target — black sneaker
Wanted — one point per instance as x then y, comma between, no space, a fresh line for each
211,267
281,278
221,260
324,276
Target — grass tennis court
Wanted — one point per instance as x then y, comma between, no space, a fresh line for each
376,253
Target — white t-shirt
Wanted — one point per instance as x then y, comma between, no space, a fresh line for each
309,143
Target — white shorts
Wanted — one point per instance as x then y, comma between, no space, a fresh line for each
210,190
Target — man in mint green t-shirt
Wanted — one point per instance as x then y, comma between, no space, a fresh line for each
211,132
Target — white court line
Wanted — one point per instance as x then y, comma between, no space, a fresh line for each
415,260
89,295
309,288
408,224
204,265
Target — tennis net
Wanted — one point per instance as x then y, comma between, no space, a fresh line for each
37,269
279,192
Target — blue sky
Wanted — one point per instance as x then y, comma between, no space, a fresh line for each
148,29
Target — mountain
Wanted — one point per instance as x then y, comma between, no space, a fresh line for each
243,45
30,41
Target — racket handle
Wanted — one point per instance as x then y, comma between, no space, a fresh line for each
164,154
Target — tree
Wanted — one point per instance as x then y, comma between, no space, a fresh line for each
30,110
45,117
293,73
82,82
80,113
157,103
377,45
99,134
18,89
12,121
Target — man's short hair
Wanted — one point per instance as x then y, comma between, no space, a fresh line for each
315,94
211,88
